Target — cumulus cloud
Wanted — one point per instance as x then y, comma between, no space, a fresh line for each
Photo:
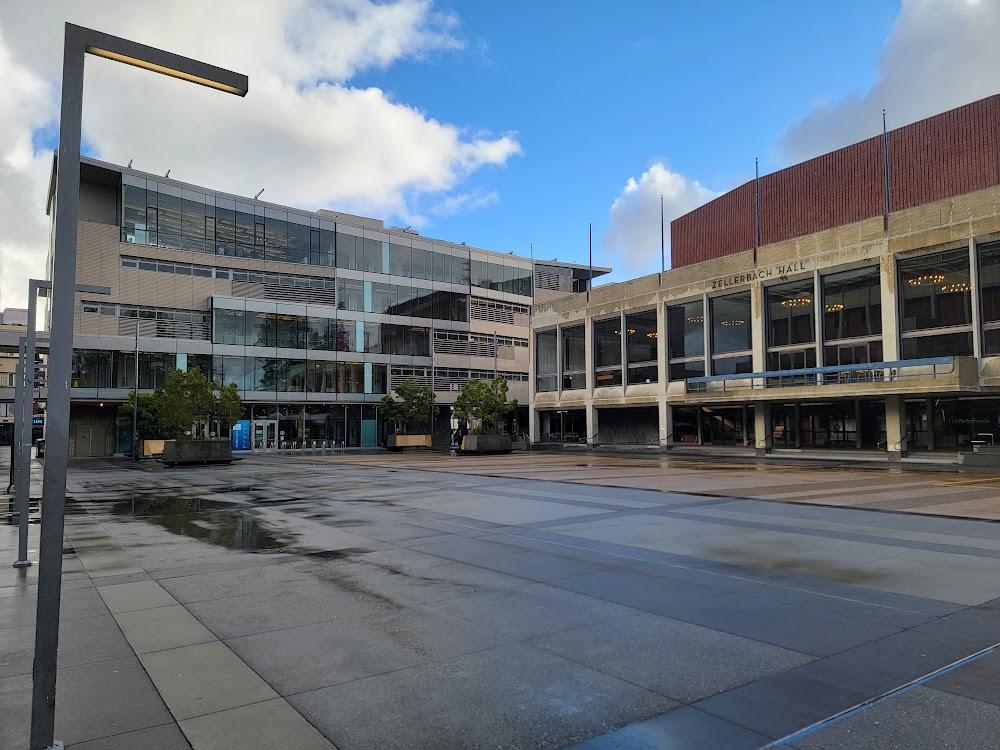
303,133
633,234
939,55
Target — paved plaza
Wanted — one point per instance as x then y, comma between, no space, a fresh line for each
524,601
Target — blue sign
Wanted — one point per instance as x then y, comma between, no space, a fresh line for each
241,435
38,420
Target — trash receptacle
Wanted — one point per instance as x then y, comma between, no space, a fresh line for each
40,448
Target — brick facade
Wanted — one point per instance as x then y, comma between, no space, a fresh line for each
950,154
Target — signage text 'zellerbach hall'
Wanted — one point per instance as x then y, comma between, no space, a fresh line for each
778,269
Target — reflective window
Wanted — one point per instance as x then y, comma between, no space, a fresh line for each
399,260
291,331
574,358
350,295
641,336
261,329
686,340
229,326
790,314
937,294
607,352
852,304
321,334
546,369
346,251
989,284
299,239
731,334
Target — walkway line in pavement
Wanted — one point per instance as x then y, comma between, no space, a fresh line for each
872,702
967,481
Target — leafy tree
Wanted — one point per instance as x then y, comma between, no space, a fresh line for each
483,404
149,423
188,401
411,409
228,407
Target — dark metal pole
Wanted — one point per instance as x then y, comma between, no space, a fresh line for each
590,283
885,167
22,487
135,399
663,239
756,208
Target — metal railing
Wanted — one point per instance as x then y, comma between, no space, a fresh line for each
869,372
299,447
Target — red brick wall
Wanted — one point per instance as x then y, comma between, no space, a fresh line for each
949,154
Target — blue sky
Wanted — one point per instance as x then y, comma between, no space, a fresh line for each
596,97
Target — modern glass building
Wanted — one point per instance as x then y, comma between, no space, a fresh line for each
314,315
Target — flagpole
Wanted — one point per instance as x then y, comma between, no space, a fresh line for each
756,208
663,240
885,166
591,242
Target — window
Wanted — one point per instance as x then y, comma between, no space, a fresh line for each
641,335
346,251
852,317
989,283
936,296
574,358
229,326
546,372
731,334
261,329
607,353
791,333
686,340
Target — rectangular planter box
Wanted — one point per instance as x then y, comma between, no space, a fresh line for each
152,447
486,444
398,442
186,452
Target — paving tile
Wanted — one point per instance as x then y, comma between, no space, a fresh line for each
982,635
129,597
779,705
683,728
20,611
651,593
449,581
467,550
165,737
908,655
81,641
919,718
203,679
514,696
533,610
352,650
681,661
271,724
976,680
162,628
539,566
715,580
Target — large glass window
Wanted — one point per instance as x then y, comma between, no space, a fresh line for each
196,215
989,284
399,259
546,368
641,335
731,335
350,295
229,326
574,358
320,334
291,332
276,234
936,295
261,329
347,251
686,340
298,238
91,368
791,333
852,317
607,352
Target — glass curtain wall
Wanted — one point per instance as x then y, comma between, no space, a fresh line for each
607,353
731,345
546,368
686,340
989,284
791,332
936,293
574,358
641,335
852,317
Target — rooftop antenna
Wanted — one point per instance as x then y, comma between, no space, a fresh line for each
129,164
258,194
167,174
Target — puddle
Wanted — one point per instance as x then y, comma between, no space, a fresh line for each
795,566
166,505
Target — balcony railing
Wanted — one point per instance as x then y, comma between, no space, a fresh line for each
870,372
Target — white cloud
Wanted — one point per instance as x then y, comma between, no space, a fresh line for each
303,133
940,54
475,198
633,234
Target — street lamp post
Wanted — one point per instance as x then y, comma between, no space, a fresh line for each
78,43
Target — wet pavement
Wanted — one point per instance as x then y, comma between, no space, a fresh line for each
396,607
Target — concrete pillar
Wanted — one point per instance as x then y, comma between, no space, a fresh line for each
762,427
534,428
666,424
857,423
895,427
890,320
757,322
666,412
818,310
592,425
797,412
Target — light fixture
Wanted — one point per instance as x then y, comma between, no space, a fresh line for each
796,302
696,319
833,307
926,280
631,331
652,335
729,323
961,286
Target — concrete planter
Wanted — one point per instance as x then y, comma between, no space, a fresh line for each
486,444
152,447
186,452
398,442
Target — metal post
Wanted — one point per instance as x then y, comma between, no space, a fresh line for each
78,42
22,477
494,354
135,399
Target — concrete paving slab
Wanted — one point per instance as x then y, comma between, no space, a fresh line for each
976,680
635,589
162,628
468,550
261,726
539,566
683,728
81,641
203,679
129,597
908,655
20,611
165,737
678,660
522,697
534,610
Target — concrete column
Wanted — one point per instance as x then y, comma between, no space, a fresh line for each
534,431
818,310
592,425
890,305
797,416
895,427
757,323
762,427
746,416
857,423
624,348
559,360
929,412
706,333
666,413
977,327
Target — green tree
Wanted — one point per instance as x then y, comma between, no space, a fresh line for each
483,404
411,409
187,402
228,407
150,424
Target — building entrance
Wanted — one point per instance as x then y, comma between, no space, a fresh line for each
264,433
830,424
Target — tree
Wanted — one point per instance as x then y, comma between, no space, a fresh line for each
482,405
149,423
187,402
228,407
411,409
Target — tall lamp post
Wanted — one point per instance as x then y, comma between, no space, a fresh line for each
78,43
